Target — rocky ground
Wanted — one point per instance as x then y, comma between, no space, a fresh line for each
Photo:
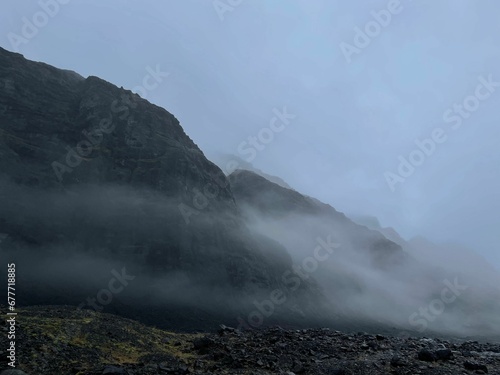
64,341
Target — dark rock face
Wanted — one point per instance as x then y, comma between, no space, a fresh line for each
91,168
357,258
279,203
229,163
45,110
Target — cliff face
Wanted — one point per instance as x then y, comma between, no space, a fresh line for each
68,129
284,207
368,277
86,167
227,161
358,269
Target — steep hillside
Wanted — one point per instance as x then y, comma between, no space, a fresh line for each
267,199
366,273
229,163
94,178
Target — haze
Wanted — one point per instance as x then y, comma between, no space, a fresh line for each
226,78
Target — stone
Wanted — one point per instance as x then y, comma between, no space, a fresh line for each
113,370
426,355
397,361
475,366
444,354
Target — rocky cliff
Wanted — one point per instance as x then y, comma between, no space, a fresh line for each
284,207
91,170
373,275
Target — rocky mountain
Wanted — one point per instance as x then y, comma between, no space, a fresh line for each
455,257
106,204
261,197
228,163
93,178
371,274
373,223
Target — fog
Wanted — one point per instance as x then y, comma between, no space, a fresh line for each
68,245
353,120
401,291
345,122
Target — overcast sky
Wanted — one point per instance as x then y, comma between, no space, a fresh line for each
355,112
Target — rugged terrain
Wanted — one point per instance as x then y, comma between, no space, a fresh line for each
63,341
97,182
93,177
280,204
373,275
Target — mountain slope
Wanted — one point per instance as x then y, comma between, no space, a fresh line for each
93,179
228,163
266,198
367,277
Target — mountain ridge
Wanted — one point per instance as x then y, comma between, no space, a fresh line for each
100,172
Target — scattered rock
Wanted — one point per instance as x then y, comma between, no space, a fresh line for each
113,370
435,355
474,366
13,372
426,355
258,352
443,354
224,329
397,361
202,345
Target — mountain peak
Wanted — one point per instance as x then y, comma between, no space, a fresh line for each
226,162
96,170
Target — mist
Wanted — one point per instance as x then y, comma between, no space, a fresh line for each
398,289
68,246
353,119
271,83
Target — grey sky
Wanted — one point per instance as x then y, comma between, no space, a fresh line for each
353,120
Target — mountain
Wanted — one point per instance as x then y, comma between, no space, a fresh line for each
371,275
451,256
106,204
263,197
480,303
94,180
228,163
373,223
